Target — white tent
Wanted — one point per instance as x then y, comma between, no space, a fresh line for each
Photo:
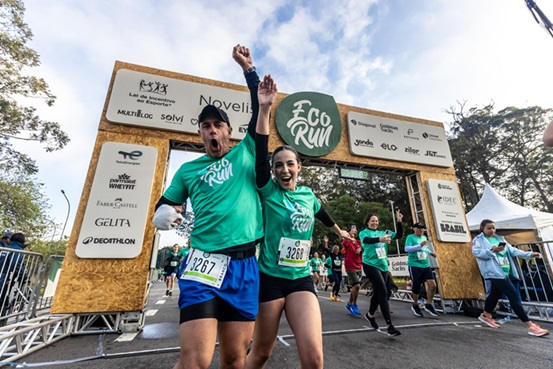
508,215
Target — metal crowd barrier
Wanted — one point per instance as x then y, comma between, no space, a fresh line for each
26,284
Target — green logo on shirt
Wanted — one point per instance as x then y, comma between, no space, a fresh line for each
310,122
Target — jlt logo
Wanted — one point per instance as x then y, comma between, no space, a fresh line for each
311,127
218,172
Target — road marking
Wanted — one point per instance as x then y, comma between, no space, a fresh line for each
151,312
160,302
126,337
281,339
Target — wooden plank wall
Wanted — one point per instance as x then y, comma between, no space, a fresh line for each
100,285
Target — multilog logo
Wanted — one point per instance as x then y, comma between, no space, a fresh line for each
136,114
154,87
118,203
122,182
364,143
108,241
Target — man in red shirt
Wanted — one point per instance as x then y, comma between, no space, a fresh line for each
352,262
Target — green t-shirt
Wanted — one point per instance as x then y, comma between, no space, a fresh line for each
290,215
502,257
227,211
316,265
417,258
375,254
183,252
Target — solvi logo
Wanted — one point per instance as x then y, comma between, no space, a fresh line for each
310,122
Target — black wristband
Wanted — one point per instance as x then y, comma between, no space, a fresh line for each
249,70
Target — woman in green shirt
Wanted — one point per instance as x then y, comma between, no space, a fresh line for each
375,265
316,263
289,216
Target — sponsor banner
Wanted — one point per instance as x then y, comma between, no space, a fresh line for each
149,100
117,209
387,138
449,215
310,122
398,266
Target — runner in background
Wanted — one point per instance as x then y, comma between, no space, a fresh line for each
336,262
353,263
316,264
375,265
416,247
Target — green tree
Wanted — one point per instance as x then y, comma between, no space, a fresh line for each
23,206
505,150
19,122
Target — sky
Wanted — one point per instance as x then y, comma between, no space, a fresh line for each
413,58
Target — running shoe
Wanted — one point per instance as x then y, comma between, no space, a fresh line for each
537,331
170,293
416,309
332,297
430,309
488,320
355,310
167,293
337,298
316,290
393,331
371,320
349,308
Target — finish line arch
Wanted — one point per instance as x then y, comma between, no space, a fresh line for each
107,266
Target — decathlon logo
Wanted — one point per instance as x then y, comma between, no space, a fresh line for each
310,122
108,241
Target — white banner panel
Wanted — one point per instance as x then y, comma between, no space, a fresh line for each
398,266
386,138
117,209
149,100
449,216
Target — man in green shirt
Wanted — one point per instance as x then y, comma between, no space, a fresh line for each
416,246
219,281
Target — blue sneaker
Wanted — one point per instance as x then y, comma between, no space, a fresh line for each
349,308
355,310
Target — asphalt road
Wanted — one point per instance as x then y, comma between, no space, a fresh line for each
449,341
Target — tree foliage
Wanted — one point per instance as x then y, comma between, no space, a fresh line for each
23,206
505,150
19,122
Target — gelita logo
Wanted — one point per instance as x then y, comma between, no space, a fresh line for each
217,172
310,122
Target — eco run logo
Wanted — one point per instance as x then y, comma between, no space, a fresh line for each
310,122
